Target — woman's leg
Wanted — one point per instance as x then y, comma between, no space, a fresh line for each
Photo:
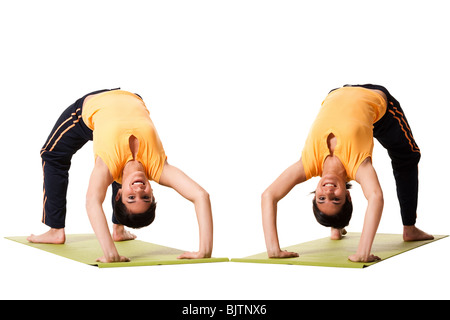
68,135
394,133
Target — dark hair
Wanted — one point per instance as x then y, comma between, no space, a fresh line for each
134,220
339,220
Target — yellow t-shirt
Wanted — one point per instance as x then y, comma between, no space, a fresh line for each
114,116
349,113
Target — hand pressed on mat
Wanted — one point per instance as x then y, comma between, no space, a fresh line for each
283,254
194,255
112,259
361,258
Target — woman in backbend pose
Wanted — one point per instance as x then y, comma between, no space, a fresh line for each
339,149
128,153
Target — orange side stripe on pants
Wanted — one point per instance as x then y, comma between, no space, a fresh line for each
44,198
407,126
60,136
51,138
414,148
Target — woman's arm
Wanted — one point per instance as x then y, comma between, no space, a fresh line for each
174,178
98,184
292,176
367,178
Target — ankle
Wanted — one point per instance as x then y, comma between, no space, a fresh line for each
118,228
337,234
58,233
412,233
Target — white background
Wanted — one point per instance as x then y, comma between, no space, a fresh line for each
232,87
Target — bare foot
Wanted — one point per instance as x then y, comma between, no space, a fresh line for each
120,234
337,234
53,236
411,233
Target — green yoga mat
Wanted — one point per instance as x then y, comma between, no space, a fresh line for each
333,253
86,249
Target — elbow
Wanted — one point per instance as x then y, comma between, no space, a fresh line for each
268,197
381,201
90,202
377,197
265,196
380,197
202,195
